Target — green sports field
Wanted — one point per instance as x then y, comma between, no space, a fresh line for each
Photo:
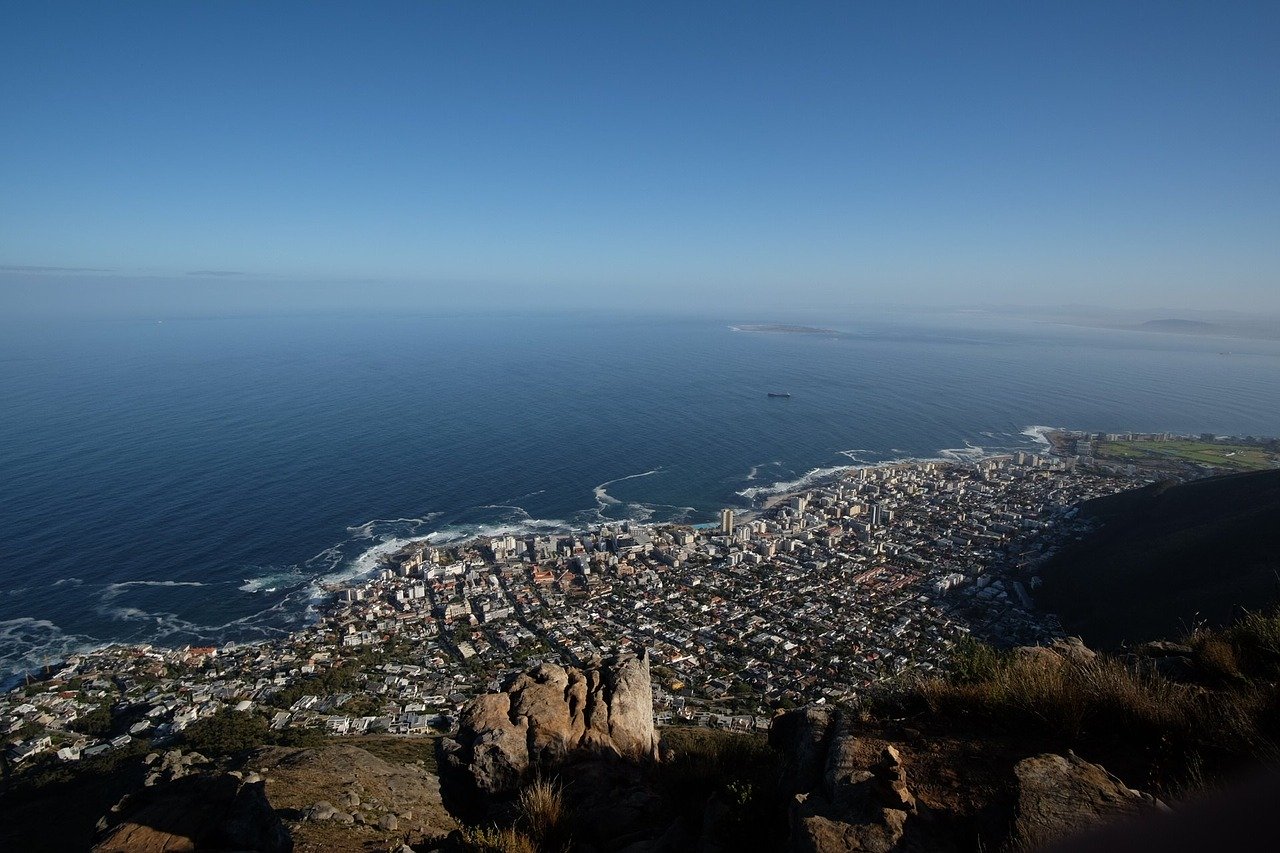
1237,457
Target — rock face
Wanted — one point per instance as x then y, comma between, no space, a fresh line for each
591,729
1058,795
199,811
844,795
551,714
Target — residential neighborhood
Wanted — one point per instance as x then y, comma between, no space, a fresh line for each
810,597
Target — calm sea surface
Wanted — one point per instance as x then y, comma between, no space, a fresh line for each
192,481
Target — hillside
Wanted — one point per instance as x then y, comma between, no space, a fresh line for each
1167,557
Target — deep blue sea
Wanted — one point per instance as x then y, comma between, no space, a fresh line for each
190,481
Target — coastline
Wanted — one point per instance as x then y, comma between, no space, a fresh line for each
861,574
363,568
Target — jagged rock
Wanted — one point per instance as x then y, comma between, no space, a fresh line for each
1057,795
845,793
203,811
803,737
1068,650
551,713
499,745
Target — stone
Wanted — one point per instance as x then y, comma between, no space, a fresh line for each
845,792
1057,795
344,818
389,823
549,714
321,811
1074,650
1163,648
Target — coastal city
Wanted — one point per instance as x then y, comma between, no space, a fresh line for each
813,596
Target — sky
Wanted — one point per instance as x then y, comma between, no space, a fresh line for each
191,158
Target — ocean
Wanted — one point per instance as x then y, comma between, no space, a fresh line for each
195,480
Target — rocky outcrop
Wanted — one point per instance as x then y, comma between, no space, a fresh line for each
849,790
844,793
197,811
591,729
549,715
1058,795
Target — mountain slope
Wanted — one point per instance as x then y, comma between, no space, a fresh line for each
1169,556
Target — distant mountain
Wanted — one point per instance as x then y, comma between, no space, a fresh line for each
1167,556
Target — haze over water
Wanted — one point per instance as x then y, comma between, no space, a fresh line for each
191,481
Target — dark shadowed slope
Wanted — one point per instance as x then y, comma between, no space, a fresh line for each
1167,556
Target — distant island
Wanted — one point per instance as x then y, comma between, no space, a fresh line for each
783,328
1181,327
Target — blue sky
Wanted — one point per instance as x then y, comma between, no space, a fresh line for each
759,155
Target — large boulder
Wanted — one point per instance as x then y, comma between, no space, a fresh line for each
549,715
1058,795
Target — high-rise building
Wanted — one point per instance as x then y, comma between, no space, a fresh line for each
726,522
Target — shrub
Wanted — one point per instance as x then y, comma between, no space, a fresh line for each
96,723
226,732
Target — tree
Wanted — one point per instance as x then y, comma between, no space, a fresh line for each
96,723
226,732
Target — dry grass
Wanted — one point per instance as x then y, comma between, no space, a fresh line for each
493,839
1227,714
1063,697
542,814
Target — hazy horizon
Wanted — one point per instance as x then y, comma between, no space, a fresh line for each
748,160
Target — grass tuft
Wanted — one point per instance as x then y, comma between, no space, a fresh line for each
542,814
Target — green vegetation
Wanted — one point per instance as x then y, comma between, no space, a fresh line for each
1228,455
362,705
333,680
493,839
97,723
235,732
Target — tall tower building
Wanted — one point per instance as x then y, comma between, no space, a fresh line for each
726,522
